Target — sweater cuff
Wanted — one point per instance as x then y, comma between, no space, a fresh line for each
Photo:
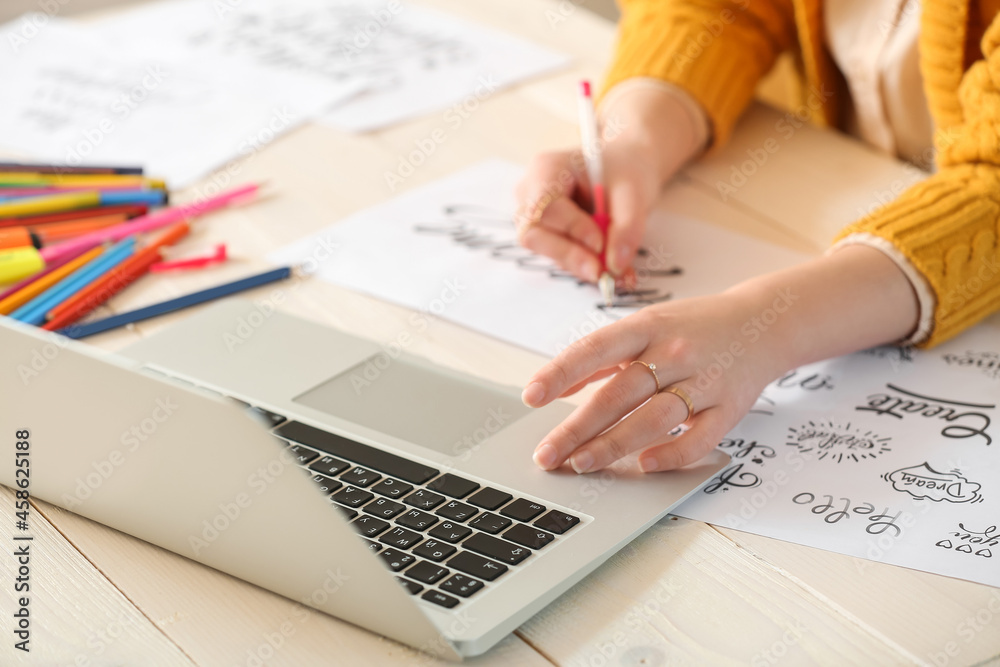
925,296
717,57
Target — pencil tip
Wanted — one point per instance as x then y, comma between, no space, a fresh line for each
606,284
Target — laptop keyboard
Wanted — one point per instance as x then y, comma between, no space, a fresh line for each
445,536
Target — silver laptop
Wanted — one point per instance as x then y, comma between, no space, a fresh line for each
361,481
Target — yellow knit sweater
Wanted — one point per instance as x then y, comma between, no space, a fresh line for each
948,226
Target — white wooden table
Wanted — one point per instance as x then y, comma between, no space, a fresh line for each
683,593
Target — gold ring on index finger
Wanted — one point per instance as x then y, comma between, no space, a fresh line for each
652,369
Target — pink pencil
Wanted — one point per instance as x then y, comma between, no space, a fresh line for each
147,222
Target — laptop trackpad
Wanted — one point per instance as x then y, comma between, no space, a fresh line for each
411,401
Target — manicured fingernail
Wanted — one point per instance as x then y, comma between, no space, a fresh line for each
533,394
545,456
582,462
647,463
589,270
596,242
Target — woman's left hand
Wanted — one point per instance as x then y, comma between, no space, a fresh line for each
698,346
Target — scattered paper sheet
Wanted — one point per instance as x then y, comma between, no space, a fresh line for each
72,98
887,455
450,249
409,60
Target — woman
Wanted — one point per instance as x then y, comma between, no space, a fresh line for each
911,80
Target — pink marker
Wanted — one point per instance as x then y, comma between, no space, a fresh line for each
148,223
591,144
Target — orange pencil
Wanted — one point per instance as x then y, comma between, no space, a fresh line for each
60,231
114,281
18,237
18,299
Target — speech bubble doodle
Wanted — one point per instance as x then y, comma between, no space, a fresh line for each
922,481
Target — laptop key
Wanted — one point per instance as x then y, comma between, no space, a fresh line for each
449,532
326,485
490,523
412,586
457,511
369,457
533,538
523,510
423,499
397,560
384,508
462,585
437,597
374,546
557,522
428,573
494,547
328,465
369,526
352,496
359,476
392,488
453,485
401,537
489,498
477,566
302,455
417,520
349,513
435,550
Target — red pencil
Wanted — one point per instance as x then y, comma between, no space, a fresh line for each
131,211
114,281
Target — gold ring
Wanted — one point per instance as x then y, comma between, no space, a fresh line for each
652,369
683,395
537,210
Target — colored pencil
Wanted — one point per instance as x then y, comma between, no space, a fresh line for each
27,179
110,284
65,169
23,296
152,221
173,305
34,311
19,237
18,286
131,211
8,194
62,231
79,200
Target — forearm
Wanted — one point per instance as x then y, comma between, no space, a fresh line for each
849,300
662,121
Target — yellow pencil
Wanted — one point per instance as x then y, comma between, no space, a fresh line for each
19,298
50,203
18,179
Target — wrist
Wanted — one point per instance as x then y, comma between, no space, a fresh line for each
656,119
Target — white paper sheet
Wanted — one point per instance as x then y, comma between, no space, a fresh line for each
409,60
71,97
450,249
889,454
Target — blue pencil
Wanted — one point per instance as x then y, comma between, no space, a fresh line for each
35,310
181,302
149,197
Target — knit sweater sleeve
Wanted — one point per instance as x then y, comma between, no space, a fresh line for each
948,225
716,50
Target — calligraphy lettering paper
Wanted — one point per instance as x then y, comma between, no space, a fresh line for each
457,237
71,98
408,60
889,454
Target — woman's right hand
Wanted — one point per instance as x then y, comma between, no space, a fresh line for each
647,135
